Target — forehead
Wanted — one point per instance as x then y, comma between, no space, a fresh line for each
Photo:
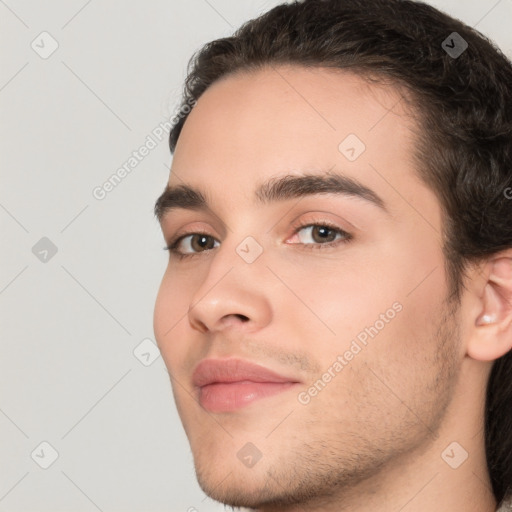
259,124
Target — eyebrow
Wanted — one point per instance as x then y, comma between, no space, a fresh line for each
276,189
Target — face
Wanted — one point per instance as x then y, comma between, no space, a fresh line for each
335,289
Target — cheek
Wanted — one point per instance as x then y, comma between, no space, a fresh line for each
383,299
170,318
348,295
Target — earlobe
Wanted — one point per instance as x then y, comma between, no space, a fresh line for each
491,335
486,319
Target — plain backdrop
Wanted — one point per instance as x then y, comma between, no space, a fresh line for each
83,390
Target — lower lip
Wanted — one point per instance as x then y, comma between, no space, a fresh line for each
230,396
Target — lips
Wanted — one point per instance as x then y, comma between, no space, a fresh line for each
229,384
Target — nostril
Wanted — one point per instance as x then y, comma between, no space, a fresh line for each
234,319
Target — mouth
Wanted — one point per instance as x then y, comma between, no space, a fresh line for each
226,385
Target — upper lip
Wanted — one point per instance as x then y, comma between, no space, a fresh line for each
210,371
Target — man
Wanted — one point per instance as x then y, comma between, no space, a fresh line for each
336,314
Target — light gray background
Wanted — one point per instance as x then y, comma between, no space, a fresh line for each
70,325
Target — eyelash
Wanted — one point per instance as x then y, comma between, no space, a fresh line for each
347,237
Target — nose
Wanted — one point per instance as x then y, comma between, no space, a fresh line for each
231,321
234,295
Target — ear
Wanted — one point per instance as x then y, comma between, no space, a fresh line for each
491,329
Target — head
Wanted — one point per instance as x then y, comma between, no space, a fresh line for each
345,119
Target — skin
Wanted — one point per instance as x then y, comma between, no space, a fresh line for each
373,437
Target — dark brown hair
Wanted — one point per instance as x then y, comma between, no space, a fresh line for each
464,137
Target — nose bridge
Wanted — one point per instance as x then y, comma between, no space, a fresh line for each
238,262
242,247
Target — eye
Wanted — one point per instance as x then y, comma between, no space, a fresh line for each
323,235
187,245
320,234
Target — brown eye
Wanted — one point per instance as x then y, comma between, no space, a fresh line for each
320,234
323,234
202,242
191,244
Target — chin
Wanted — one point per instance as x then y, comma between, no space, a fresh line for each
234,490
